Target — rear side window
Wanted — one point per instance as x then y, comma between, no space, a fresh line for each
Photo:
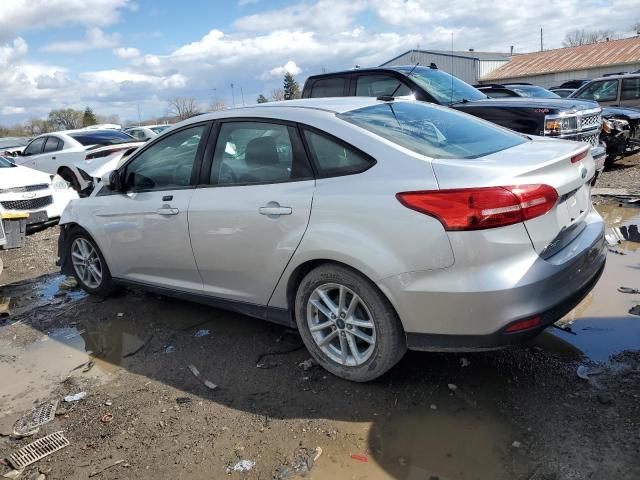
328,87
433,131
603,91
101,137
378,85
52,145
630,89
333,158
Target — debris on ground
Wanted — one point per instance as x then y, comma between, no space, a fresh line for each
139,349
306,365
242,466
169,349
196,373
202,333
359,457
98,472
433,407
30,423
628,290
516,444
107,418
303,462
120,314
13,474
108,403
68,283
464,362
75,398
452,386
4,306
183,400
38,450
585,372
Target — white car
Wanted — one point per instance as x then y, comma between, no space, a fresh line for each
27,191
75,155
146,132
12,145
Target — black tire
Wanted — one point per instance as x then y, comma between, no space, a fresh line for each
69,177
106,287
390,344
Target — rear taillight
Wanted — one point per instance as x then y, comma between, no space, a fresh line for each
526,324
480,208
104,153
579,156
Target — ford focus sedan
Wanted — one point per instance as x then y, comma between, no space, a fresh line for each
372,226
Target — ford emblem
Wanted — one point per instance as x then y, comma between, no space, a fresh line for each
583,172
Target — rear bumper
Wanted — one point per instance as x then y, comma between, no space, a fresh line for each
469,306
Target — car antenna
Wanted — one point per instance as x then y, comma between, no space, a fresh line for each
388,98
451,72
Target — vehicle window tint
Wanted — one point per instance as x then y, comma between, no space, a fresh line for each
166,164
328,87
630,89
35,147
333,158
52,145
100,137
604,91
160,128
136,133
495,93
435,132
256,152
377,85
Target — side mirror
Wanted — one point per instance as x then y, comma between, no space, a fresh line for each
113,181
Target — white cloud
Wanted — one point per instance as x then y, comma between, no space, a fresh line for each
53,81
11,110
278,72
243,3
95,38
10,54
21,15
126,52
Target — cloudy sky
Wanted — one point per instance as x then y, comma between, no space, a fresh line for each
124,56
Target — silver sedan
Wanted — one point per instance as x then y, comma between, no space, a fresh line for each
371,226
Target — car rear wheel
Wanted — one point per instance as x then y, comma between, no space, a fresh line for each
347,324
89,267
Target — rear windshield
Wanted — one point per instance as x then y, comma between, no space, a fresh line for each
433,131
160,128
533,91
101,137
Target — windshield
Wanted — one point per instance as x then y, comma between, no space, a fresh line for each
159,129
533,91
445,88
4,163
101,137
9,142
433,131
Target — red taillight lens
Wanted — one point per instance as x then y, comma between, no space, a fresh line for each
525,324
480,208
579,156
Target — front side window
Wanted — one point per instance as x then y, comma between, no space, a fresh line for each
35,147
604,91
435,132
52,145
257,152
333,158
328,87
630,89
166,164
378,85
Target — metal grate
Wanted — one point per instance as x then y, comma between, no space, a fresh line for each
590,121
38,450
27,188
30,204
38,416
591,139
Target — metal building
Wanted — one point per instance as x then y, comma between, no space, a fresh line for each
469,65
553,67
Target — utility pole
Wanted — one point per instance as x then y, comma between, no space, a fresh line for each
242,94
233,97
139,117
541,45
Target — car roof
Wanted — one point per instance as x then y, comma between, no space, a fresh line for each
615,77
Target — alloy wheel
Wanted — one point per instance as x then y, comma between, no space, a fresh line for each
341,324
86,262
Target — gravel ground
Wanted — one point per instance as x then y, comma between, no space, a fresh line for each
624,173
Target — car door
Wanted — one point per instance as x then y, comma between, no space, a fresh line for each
47,161
31,153
248,221
630,92
144,227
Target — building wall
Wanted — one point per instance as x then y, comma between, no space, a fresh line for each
554,79
466,69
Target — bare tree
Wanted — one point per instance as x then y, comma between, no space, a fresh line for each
217,104
66,118
183,107
578,37
277,94
36,126
636,27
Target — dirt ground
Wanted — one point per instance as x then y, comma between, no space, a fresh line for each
522,413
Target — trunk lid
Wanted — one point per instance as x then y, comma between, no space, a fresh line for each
540,161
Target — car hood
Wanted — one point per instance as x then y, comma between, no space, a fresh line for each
565,104
11,177
631,112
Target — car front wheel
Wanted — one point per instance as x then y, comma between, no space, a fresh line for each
347,324
89,267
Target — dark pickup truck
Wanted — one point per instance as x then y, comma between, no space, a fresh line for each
569,119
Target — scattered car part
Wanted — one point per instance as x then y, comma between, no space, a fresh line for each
74,398
31,422
38,450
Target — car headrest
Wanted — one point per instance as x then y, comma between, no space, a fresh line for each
261,152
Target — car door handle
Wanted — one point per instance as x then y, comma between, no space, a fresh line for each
275,210
167,210
53,158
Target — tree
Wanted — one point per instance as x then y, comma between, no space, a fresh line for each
182,107
217,104
66,118
262,99
277,94
88,118
291,87
578,37
37,126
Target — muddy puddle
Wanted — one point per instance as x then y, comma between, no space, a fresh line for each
601,325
